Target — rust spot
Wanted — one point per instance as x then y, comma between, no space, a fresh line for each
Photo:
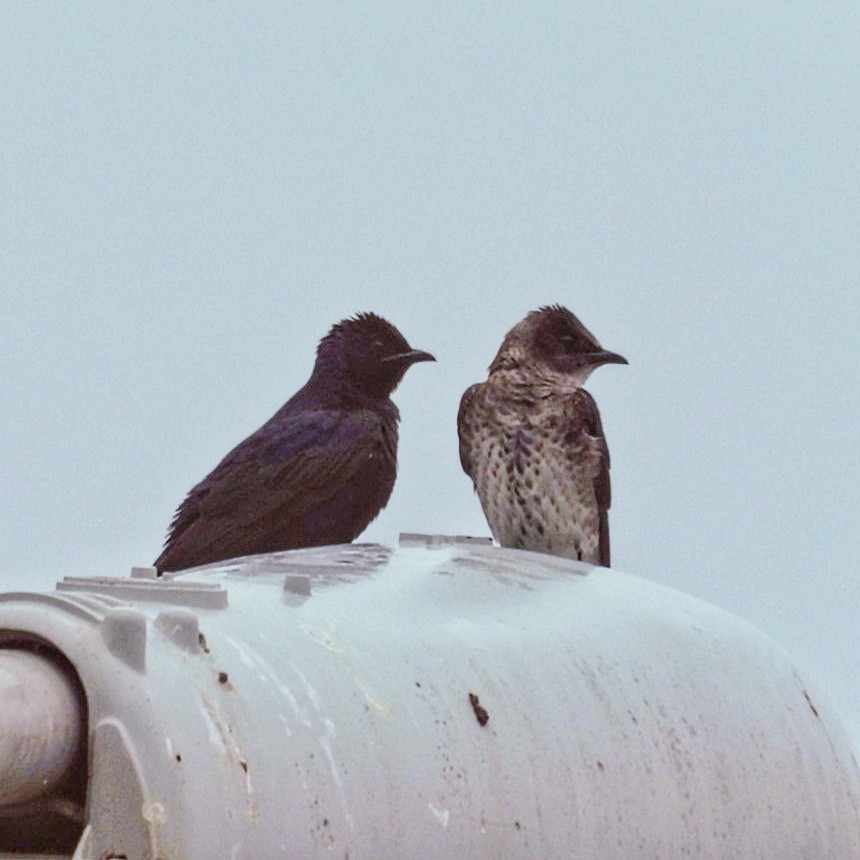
223,678
481,714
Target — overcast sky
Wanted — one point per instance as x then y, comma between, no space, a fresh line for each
192,194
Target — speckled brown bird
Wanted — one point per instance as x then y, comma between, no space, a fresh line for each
318,471
532,442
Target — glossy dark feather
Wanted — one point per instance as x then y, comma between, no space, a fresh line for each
318,472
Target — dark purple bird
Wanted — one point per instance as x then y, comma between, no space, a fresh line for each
318,471
532,442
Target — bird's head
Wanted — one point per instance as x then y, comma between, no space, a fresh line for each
369,353
553,338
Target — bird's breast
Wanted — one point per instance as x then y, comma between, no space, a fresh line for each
534,473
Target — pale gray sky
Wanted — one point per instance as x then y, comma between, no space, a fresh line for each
192,194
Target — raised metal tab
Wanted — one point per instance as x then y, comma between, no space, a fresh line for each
124,633
298,583
417,539
181,627
200,595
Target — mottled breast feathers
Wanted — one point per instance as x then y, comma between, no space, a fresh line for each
540,465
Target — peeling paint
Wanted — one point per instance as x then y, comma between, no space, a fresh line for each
441,815
374,699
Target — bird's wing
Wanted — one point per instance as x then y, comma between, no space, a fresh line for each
586,410
465,430
293,465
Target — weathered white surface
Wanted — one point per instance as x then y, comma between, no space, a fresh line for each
40,725
333,718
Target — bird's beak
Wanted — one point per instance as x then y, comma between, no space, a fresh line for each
409,357
604,357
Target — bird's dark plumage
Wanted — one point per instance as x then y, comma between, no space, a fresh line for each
532,442
318,471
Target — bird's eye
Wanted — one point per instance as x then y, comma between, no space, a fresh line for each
570,343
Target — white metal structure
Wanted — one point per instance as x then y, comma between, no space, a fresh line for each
446,699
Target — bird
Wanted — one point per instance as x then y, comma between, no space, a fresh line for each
532,442
318,471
